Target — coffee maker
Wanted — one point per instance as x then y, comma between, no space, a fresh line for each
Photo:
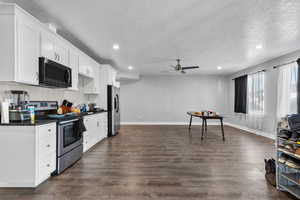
18,105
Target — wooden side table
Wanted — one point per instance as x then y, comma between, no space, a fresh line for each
204,122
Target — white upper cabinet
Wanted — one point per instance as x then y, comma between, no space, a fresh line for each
110,73
24,39
74,65
61,52
86,66
54,49
28,51
92,85
47,45
19,49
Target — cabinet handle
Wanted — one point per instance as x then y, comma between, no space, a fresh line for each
48,145
49,130
48,165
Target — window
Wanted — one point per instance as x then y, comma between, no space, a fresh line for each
256,84
287,90
240,94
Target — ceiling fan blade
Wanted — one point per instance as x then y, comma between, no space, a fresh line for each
191,67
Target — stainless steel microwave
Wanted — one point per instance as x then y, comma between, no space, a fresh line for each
53,74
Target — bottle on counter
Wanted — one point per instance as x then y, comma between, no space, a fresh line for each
5,112
32,114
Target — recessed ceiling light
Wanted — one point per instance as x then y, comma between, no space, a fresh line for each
219,67
130,67
259,46
116,47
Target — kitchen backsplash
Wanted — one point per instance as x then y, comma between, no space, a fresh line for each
47,94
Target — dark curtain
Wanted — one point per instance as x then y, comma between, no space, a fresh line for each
240,94
298,87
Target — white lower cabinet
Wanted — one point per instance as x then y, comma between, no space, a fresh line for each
29,153
96,126
47,150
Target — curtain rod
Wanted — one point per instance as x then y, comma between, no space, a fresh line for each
277,66
251,73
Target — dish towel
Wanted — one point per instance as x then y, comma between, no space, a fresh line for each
79,127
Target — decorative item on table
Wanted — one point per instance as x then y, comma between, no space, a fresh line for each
212,113
205,113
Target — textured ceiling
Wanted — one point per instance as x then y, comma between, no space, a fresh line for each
208,33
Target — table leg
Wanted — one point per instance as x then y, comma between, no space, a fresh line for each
222,128
203,124
191,119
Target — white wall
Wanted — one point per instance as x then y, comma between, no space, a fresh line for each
166,99
270,93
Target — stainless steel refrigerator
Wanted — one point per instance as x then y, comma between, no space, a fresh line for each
113,109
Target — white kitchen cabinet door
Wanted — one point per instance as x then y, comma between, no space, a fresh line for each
97,87
46,150
74,65
47,45
31,158
53,49
92,86
62,53
28,52
89,122
110,73
86,66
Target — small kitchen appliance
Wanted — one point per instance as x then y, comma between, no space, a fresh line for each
18,100
53,74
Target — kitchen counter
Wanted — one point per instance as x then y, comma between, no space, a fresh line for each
92,113
28,123
45,121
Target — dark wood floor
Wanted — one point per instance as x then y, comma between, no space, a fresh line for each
164,162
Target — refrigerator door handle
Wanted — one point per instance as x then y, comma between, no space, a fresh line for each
117,103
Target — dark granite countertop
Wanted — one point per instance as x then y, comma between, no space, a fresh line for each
28,123
45,121
92,113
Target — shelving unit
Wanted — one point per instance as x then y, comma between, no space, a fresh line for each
288,179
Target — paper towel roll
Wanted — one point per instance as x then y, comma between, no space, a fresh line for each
5,112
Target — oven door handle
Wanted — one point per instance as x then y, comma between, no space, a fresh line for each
66,122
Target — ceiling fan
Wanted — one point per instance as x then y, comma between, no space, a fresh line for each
179,68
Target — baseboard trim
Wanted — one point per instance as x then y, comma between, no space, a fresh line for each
211,123
167,123
250,130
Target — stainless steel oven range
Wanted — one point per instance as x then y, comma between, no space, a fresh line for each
69,143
